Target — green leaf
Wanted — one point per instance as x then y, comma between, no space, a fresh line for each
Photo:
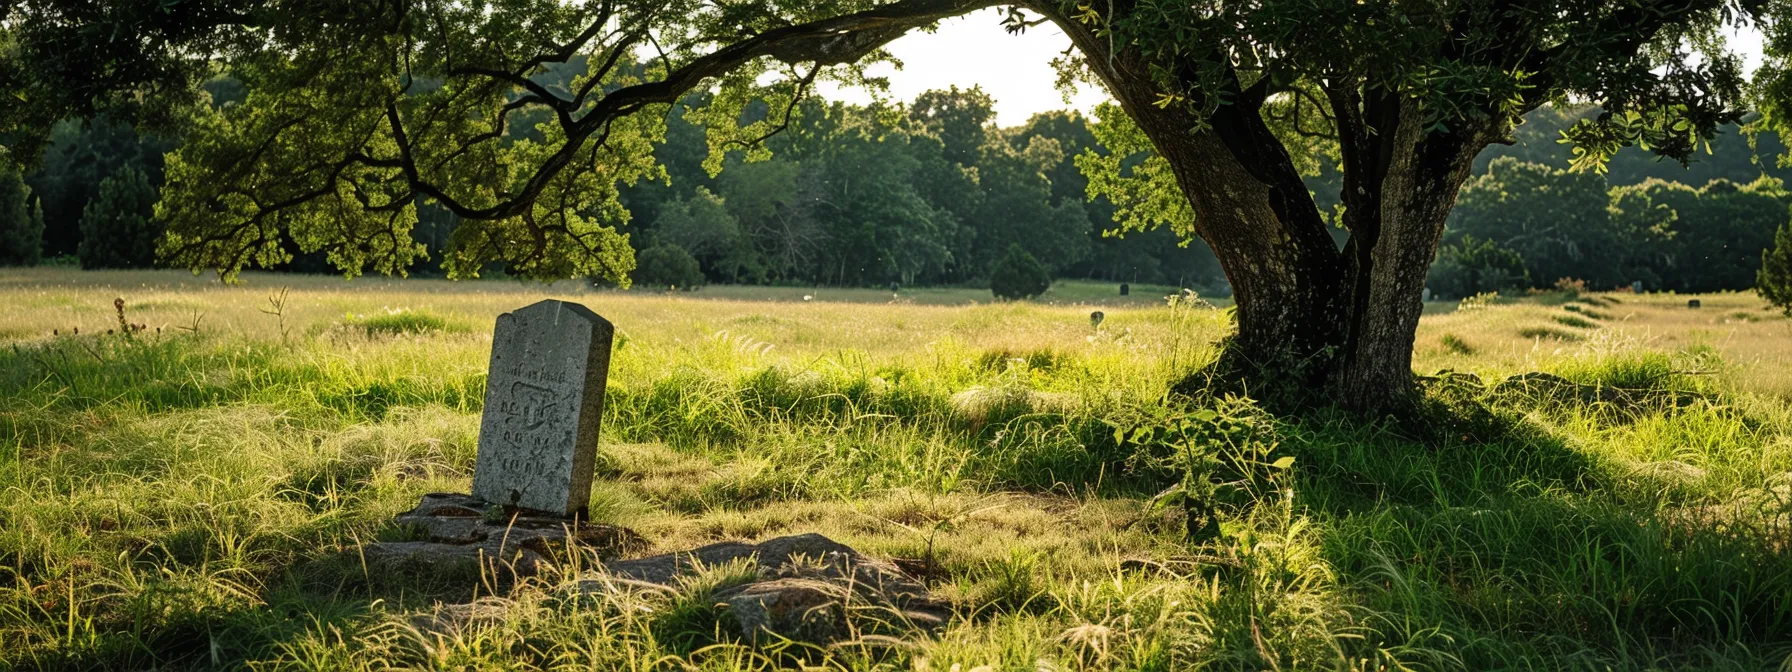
1283,462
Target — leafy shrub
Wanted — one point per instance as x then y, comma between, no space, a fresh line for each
21,221
118,229
666,265
1019,275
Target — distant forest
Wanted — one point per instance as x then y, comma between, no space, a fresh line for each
932,192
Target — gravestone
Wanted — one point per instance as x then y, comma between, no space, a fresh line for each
1096,317
1125,289
1692,303
895,288
544,397
1636,286
1427,295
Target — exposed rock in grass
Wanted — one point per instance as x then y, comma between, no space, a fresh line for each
809,588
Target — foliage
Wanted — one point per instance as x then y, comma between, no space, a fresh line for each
959,119
705,229
1774,280
1018,275
1470,266
21,219
1563,224
119,228
667,265
1716,234
1554,220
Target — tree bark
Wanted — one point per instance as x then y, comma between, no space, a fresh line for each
1417,181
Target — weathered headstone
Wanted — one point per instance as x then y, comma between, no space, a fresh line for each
1636,286
1692,303
544,398
1096,317
1125,289
895,288
1427,295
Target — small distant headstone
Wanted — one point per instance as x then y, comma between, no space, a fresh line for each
1427,297
1636,286
1095,318
895,287
1125,289
1692,303
544,397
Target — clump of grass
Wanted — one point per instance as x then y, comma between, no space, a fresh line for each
399,321
1455,344
1589,312
1744,316
1576,322
1037,360
1636,370
1548,334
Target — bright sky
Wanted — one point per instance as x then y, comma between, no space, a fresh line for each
973,50
1016,70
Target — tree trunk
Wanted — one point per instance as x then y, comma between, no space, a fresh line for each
1417,186
1315,323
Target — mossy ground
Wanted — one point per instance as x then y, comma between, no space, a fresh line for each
193,497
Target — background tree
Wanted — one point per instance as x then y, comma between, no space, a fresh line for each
1716,234
1470,266
21,220
703,226
1774,280
959,119
1017,206
1554,220
1019,275
82,154
118,229
667,265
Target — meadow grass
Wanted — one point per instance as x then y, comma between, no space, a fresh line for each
194,494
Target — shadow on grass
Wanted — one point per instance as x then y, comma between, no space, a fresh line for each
1476,528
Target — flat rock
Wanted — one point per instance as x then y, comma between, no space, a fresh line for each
804,610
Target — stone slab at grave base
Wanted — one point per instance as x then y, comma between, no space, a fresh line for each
455,534
807,588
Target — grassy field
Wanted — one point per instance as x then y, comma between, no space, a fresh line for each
186,496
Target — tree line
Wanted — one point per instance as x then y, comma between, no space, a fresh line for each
934,193
1525,220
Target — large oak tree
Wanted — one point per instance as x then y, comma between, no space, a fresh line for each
360,109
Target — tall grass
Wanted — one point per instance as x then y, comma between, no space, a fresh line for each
197,499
